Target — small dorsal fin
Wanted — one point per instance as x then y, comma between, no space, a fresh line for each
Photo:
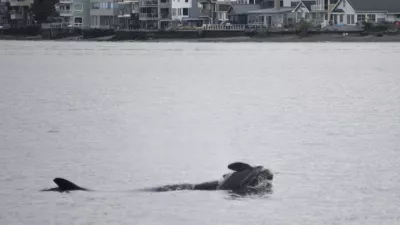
66,185
239,166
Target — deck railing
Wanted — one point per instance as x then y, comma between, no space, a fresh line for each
61,25
233,27
148,16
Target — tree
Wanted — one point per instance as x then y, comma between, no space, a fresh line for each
43,9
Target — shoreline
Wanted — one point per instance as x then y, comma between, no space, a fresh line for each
239,39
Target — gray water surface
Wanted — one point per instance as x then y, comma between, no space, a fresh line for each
119,117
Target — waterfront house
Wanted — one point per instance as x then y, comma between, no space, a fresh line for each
20,15
221,11
271,17
260,12
155,14
74,12
356,11
104,14
3,14
128,14
207,9
180,9
316,12
238,13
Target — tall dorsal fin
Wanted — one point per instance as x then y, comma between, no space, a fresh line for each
239,166
66,185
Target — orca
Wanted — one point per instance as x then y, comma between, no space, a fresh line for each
244,178
65,186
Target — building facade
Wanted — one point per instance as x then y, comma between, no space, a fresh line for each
20,15
74,12
128,14
3,14
357,11
104,14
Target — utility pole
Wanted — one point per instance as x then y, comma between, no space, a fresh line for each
329,11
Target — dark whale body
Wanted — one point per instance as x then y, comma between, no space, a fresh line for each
243,179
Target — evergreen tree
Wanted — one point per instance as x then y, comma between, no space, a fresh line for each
43,9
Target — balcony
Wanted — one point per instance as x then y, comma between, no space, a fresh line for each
65,12
205,12
21,2
144,3
66,1
16,15
207,1
103,12
165,3
317,8
165,16
148,16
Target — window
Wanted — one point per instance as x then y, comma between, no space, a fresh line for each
186,0
78,7
185,12
371,17
299,15
341,18
361,17
78,19
344,3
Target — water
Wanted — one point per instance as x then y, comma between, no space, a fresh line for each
118,117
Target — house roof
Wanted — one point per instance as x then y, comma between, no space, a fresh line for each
305,3
243,9
391,6
271,10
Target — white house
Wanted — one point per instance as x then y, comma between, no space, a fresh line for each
356,11
310,10
180,9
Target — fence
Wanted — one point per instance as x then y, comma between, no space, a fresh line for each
233,27
61,25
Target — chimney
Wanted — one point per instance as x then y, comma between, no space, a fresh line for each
277,4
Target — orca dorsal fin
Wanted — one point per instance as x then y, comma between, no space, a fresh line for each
239,166
66,185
